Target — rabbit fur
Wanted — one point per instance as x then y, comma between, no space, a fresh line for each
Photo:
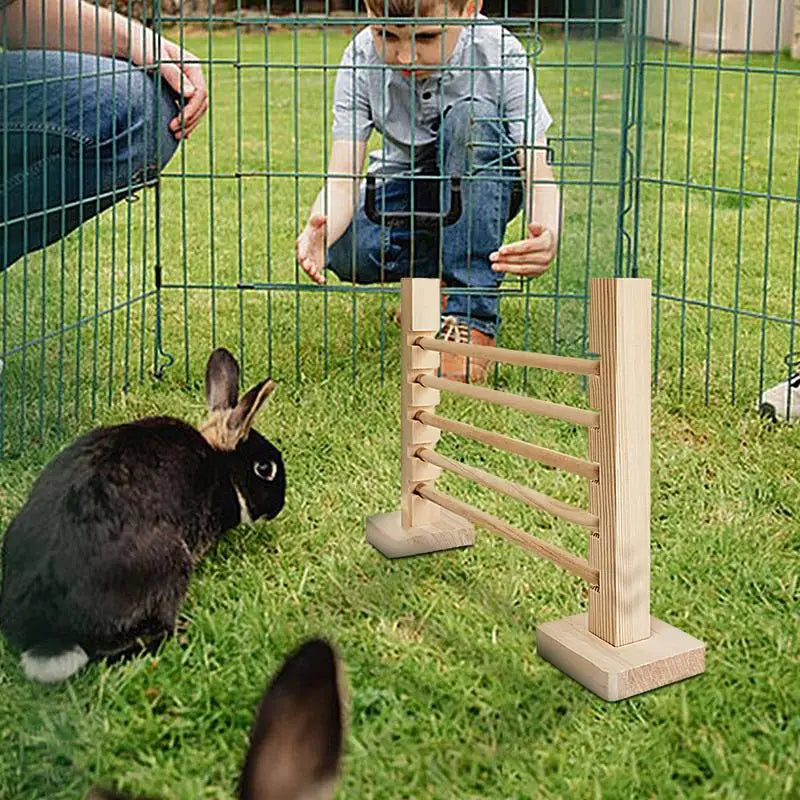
296,740
98,560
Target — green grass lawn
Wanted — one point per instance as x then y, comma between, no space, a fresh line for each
448,697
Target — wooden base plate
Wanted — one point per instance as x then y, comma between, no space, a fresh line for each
386,534
614,673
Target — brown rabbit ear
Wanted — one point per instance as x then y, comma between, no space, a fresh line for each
241,418
222,381
296,743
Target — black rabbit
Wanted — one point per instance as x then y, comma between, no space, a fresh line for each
296,741
98,560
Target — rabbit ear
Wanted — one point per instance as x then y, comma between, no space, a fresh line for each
241,419
296,742
222,381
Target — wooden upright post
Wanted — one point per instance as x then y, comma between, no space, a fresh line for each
796,31
420,526
619,332
419,316
618,650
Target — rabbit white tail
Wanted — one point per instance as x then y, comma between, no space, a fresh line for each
50,663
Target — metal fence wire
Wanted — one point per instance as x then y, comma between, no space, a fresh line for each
674,145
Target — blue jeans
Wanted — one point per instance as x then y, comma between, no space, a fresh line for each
472,143
78,133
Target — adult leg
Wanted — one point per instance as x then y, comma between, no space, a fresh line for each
78,133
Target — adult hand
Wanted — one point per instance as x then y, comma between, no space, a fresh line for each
181,70
531,256
310,248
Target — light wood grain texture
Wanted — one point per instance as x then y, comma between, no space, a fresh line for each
619,332
544,408
551,458
385,532
667,655
796,31
521,358
556,555
419,315
617,650
420,526
592,438
530,496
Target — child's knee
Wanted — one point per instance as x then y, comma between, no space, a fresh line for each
344,272
366,268
345,262
367,254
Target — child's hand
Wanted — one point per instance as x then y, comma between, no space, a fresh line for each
310,248
531,256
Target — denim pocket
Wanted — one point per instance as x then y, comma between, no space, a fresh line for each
386,256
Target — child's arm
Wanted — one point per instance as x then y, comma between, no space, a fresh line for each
532,256
332,211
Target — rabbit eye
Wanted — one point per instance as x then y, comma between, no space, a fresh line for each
266,472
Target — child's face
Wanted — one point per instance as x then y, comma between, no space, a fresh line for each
419,47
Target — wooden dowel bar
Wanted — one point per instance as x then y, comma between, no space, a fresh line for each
544,408
521,358
556,555
533,498
551,458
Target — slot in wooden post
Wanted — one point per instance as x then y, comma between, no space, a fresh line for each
420,526
617,649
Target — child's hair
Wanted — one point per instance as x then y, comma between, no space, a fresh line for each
415,8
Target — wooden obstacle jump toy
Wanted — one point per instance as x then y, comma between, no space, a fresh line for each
617,649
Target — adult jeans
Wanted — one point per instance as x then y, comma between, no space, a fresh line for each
78,133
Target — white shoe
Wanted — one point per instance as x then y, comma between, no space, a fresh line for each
782,401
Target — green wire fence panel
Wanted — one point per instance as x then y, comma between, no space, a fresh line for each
76,327
717,209
673,161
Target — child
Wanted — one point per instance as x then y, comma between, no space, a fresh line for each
451,99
